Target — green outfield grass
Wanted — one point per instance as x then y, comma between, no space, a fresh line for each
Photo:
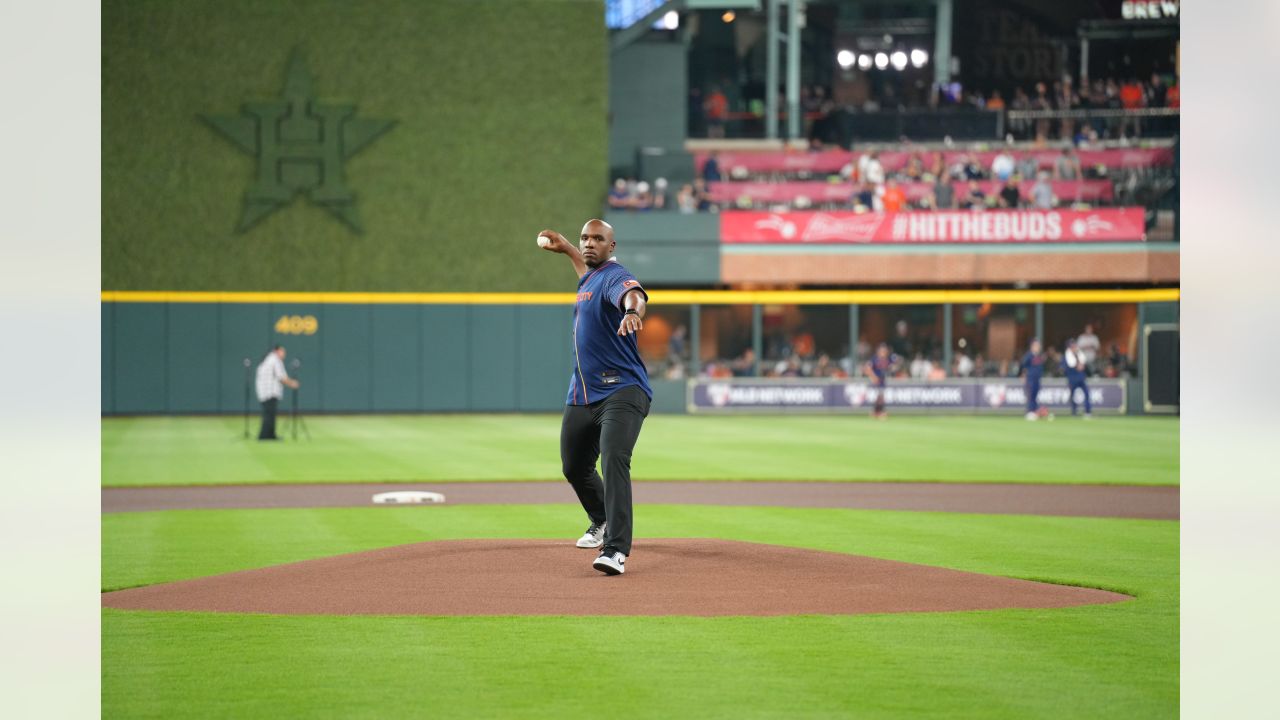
211,451
1103,661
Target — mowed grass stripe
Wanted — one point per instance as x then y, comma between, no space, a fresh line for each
211,451
1101,661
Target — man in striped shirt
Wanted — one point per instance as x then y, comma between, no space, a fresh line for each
270,382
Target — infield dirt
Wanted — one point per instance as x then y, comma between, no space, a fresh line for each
684,576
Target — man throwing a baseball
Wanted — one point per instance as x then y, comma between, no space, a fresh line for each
609,390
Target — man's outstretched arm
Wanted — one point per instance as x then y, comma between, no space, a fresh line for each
560,245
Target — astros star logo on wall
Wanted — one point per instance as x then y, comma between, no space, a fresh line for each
301,145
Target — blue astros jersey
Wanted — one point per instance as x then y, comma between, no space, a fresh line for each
604,361
880,366
1034,365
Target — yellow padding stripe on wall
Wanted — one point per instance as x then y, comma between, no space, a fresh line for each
666,297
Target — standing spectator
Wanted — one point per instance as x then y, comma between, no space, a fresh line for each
745,364
1074,365
270,381
963,365
1067,166
1066,100
1157,94
716,109
937,167
1042,192
1132,97
892,199
1042,102
944,194
1009,195
711,168
1089,346
686,200
901,342
1002,166
976,199
1020,102
619,198
1032,371
996,102
872,172
878,370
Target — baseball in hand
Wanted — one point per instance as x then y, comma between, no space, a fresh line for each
543,241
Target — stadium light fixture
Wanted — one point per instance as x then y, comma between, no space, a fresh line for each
919,57
845,59
671,21
728,16
882,61
864,62
899,60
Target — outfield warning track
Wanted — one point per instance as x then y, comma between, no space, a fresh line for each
1116,501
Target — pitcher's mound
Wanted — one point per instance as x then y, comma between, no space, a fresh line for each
546,577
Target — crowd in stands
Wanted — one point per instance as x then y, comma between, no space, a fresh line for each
710,112
917,357
928,180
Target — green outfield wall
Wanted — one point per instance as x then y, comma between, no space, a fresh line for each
393,145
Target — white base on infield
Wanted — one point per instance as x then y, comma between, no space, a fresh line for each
407,496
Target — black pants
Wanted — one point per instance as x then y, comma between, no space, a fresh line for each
605,429
268,431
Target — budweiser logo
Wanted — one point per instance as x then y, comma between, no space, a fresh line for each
857,228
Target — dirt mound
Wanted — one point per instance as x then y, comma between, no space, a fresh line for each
545,577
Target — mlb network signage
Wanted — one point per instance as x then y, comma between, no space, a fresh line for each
996,226
956,395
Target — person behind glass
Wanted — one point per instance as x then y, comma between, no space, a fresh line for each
1074,365
878,369
270,381
1032,372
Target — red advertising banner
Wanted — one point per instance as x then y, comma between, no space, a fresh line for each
992,226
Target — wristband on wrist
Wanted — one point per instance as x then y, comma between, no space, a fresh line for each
630,311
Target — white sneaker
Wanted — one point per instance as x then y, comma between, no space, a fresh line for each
593,538
1031,416
613,563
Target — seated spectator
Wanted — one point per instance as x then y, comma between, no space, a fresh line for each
892,198
825,368
1118,361
920,367
996,101
1010,197
962,365
915,168
700,194
745,364
937,167
1042,192
972,168
864,198
686,200
1067,166
976,199
711,168
1028,166
619,198
788,368
1002,166
642,199
659,193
